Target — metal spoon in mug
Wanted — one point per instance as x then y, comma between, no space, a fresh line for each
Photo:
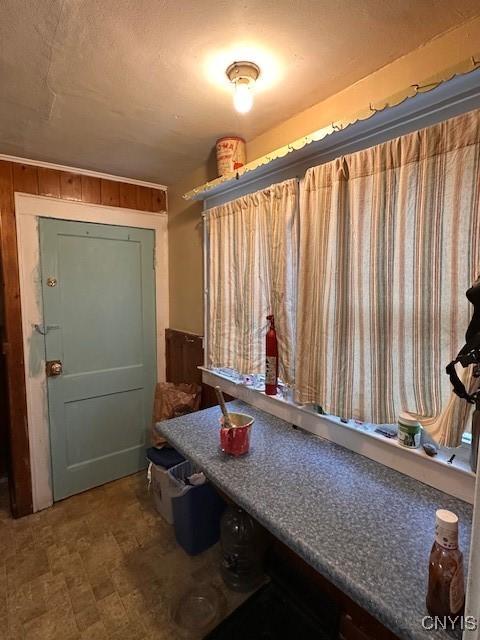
221,402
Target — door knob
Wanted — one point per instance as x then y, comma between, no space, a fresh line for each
54,368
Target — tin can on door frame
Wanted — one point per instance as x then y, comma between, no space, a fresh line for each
231,154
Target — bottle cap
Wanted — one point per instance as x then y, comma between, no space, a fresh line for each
407,419
447,519
446,529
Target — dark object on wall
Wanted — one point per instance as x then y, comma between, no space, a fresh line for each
468,355
64,185
184,354
243,550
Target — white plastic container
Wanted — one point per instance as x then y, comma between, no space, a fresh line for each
163,491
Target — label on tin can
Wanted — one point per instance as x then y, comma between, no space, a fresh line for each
230,155
409,436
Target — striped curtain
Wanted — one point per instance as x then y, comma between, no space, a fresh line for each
252,263
389,243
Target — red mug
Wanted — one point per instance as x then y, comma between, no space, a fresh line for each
235,440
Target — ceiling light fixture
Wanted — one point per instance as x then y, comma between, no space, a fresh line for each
243,76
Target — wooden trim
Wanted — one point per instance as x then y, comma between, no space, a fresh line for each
4,419
42,179
20,475
82,172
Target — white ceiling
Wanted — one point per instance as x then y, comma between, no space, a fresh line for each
136,87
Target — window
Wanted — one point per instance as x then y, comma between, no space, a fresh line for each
252,272
387,244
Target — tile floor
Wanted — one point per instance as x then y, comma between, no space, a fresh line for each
98,566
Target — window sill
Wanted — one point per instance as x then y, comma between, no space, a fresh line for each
455,478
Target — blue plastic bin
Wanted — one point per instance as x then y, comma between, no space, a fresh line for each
196,511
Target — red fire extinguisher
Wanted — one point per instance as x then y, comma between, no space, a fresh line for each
271,368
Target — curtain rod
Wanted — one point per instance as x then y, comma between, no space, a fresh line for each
206,212
463,68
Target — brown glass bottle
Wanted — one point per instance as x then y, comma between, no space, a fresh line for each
446,588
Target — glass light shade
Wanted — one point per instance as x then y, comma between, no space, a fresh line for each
243,97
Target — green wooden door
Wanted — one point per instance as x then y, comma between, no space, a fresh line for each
99,316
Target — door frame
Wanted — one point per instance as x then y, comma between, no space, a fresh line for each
28,209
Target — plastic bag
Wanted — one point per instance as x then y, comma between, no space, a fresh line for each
173,400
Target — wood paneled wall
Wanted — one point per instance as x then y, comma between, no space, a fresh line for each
184,354
73,186
67,186
4,437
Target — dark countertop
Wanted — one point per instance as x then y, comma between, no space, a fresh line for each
366,528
